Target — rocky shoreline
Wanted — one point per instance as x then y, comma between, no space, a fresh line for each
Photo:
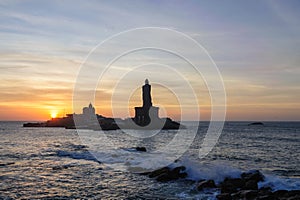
244,187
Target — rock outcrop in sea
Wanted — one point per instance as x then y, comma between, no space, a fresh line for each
244,187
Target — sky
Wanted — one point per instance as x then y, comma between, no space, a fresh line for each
46,44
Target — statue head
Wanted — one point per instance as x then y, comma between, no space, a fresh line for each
146,82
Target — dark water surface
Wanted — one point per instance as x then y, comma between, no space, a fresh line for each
50,163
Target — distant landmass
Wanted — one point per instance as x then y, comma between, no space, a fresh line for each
146,117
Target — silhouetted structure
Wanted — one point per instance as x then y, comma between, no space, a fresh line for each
88,111
143,115
146,117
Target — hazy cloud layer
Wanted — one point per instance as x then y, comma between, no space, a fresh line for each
255,44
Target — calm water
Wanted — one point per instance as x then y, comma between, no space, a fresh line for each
49,163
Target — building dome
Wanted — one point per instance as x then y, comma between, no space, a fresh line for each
89,111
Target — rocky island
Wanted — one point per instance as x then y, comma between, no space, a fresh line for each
146,117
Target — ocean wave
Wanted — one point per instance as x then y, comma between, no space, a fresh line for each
280,183
219,171
86,155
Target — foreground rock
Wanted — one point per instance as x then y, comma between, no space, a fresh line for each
143,149
245,187
254,175
168,174
206,184
261,195
230,185
248,181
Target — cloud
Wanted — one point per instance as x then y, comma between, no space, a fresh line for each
44,44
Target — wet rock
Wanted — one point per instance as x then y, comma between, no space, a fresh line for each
246,187
251,185
284,194
183,175
280,193
173,174
206,184
294,192
165,178
293,195
245,194
224,196
265,193
159,172
146,173
178,171
265,197
253,175
230,185
167,174
143,149
265,189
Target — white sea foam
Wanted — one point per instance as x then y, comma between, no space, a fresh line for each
129,158
216,171
279,183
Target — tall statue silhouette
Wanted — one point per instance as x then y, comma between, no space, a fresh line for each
147,113
147,101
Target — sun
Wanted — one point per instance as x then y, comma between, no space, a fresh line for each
53,114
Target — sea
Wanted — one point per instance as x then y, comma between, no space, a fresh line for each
58,163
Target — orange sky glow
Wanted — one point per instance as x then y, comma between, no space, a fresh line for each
255,50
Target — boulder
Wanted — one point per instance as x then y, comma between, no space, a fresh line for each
265,197
230,185
293,195
143,149
206,184
251,185
159,172
245,194
167,174
294,192
179,171
265,193
224,196
284,194
166,177
246,187
253,175
173,174
280,193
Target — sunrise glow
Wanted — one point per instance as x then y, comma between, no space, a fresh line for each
42,52
53,114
